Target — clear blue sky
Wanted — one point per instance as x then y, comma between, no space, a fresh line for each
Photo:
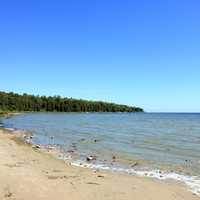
137,52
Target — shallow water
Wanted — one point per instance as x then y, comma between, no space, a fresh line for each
138,141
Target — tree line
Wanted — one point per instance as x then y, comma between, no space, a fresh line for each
16,102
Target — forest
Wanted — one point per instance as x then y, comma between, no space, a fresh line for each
16,102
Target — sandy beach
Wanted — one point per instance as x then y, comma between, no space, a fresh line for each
28,173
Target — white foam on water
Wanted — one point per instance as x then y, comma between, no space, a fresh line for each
192,182
10,129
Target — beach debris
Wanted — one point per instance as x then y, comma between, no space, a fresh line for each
114,157
8,194
91,158
93,183
96,140
36,146
50,147
100,176
160,172
70,151
135,164
113,160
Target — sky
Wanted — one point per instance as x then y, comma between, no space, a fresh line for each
136,52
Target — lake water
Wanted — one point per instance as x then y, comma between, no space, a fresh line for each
141,143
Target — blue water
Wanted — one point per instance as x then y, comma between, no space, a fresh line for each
151,140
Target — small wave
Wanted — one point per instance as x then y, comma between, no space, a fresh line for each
10,129
192,182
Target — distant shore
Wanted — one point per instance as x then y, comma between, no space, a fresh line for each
30,173
26,102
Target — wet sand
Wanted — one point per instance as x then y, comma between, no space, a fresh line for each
28,173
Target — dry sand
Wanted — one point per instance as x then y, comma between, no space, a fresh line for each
29,174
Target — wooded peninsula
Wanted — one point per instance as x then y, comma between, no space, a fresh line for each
16,102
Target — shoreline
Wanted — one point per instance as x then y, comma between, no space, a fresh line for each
10,114
41,169
192,183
